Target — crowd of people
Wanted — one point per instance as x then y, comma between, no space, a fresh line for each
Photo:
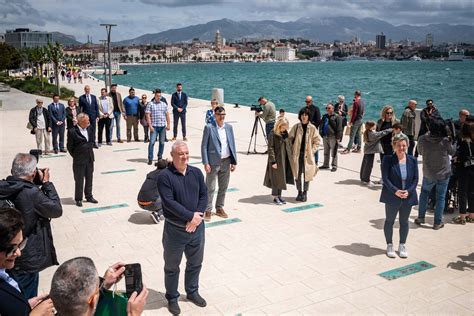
183,197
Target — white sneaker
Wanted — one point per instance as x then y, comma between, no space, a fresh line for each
402,251
390,252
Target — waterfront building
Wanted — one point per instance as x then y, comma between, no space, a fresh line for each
173,51
429,40
25,38
218,40
380,41
228,50
285,53
134,52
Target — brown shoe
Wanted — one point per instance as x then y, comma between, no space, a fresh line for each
173,139
185,139
220,212
120,141
207,216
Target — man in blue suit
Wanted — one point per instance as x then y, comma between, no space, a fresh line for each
57,111
219,158
88,104
179,102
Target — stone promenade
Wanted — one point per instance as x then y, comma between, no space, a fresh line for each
319,257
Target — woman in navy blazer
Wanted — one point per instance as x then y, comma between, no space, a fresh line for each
400,178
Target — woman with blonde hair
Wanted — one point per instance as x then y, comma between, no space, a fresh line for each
72,111
386,121
279,173
305,139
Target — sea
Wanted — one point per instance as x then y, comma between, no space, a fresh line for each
449,84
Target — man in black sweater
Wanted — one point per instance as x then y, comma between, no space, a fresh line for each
149,197
184,196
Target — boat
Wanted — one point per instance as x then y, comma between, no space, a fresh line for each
456,55
415,58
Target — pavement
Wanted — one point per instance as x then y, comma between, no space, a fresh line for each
319,257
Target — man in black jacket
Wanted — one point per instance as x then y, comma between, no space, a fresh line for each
80,144
331,131
40,120
149,197
314,118
38,202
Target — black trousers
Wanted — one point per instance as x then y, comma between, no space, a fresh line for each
466,190
177,241
58,130
366,167
83,171
93,126
391,211
104,122
176,117
411,146
301,183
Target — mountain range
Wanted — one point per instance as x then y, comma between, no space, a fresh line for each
321,30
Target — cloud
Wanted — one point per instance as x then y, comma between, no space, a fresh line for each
181,3
15,13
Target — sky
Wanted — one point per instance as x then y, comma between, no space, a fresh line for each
81,18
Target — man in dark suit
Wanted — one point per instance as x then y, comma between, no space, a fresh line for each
57,111
80,143
88,104
219,157
179,102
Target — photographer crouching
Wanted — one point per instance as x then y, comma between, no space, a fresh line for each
31,192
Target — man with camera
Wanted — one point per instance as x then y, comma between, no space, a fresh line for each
31,192
80,144
267,114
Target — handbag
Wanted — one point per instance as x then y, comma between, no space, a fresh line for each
111,304
29,126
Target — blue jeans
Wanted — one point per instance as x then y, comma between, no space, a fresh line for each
177,241
116,123
355,135
161,132
441,188
28,282
269,128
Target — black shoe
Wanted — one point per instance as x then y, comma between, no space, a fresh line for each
300,196
438,226
150,162
109,143
419,221
92,200
55,151
63,150
173,308
304,197
155,217
79,203
324,167
197,299
95,146
282,200
334,169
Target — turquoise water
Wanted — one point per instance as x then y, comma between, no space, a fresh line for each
449,84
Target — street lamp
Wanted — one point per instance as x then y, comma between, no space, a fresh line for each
105,63
108,29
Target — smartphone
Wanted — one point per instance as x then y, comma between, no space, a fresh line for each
133,278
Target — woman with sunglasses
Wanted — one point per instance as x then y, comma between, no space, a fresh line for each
12,300
386,121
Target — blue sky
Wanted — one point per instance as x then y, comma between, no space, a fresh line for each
136,17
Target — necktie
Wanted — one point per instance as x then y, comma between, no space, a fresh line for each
88,99
9,280
179,95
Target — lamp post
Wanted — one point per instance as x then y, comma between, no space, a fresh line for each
108,29
105,63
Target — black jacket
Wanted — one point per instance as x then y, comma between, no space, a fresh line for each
37,205
69,116
12,302
33,118
315,116
425,115
80,149
335,126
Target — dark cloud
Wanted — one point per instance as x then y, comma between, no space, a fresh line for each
181,3
17,13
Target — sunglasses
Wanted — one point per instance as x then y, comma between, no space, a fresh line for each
390,113
307,101
11,249
221,114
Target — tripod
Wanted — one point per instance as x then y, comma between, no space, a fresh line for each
253,136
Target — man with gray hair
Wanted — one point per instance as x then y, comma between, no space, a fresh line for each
184,199
30,190
76,288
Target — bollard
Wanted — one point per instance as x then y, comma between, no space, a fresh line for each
218,94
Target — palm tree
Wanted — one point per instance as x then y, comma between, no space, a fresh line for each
137,59
37,57
148,58
55,55
153,59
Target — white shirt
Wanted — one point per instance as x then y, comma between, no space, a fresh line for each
4,276
88,97
84,132
105,105
40,122
225,152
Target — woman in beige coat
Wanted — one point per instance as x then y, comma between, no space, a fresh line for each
306,140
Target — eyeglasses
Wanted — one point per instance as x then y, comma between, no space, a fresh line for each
143,97
11,249
221,114
389,113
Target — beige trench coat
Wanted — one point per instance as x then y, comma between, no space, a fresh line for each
313,140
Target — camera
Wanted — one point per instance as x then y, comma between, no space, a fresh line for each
133,278
256,108
38,179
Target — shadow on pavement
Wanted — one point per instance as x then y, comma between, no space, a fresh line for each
257,199
379,223
68,201
155,300
350,182
360,249
141,218
466,263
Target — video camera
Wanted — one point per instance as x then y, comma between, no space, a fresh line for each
38,180
256,108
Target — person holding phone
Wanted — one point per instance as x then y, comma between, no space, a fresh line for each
400,178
